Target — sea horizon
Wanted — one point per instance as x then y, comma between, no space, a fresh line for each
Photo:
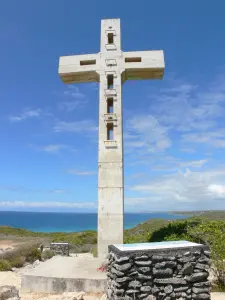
92,212
73,221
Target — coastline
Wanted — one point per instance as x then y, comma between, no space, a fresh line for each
55,222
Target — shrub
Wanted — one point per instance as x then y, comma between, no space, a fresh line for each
94,251
18,256
24,253
17,262
176,230
32,255
210,233
47,254
5,265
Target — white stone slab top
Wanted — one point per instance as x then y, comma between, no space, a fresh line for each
156,245
59,244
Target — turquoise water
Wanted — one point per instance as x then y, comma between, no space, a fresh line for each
69,222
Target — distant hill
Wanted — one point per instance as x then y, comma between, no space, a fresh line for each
206,214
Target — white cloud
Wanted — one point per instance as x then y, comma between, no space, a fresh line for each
217,189
74,91
185,190
215,138
26,114
192,112
193,163
33,190
144,131
80,173
12,188
187,150
55,148
58,191
52,148
70,106
167,163
48,204
76,126
136,201
184,88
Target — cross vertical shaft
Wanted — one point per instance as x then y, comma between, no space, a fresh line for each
111,67
110,160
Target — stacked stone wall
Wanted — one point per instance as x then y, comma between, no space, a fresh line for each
60,248
160,275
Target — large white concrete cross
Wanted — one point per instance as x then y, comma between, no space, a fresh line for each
111,68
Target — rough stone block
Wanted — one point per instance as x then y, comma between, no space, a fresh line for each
8,292
162,273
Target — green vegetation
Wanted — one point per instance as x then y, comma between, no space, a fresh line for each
207,214
212,233
199,230
202,229
206,227
94,251
17,261
18,256
82,241
142,232
47,254
5,265
75,238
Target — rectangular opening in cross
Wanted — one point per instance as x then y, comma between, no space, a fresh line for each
87,62
109,105
132,59
110,83
110,38
110,133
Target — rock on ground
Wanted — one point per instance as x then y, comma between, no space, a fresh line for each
9,292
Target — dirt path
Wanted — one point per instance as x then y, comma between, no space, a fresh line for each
4,244
10,278
218,296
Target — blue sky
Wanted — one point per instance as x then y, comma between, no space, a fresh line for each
174,129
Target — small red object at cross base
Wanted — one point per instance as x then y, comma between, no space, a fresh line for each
102,269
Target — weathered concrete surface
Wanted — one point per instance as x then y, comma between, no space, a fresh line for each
111,67
65,274
8,278
217,296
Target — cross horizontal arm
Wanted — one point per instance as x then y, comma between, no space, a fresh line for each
79,68
143,64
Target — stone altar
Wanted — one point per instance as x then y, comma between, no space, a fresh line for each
160,271
60,248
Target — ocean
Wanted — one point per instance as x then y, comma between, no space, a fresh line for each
71,222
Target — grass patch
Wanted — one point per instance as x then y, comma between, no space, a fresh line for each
47,254
94,251
74,238
17,257
142,232
218,288
5,265
17,261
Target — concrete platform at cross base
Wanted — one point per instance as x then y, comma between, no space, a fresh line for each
65,274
